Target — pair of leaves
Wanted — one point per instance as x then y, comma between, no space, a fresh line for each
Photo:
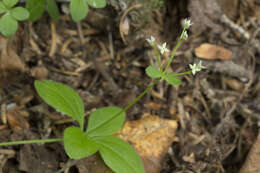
79,8
36,9
9,21
170,78
116,153
103,122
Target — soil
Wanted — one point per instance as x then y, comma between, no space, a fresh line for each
104,59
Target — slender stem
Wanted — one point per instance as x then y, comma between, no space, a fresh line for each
173,52
180,74
31,141
133,102
157,55
140,96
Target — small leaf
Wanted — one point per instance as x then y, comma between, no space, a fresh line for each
172,79
105,121
20,13
119,155
78,9
35,8
10,3
62,98
77,145
8,25
2,7
53,10
153,72
97,3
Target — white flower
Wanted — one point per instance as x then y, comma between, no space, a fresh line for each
163,48
196,67
151,40
184,35
187,23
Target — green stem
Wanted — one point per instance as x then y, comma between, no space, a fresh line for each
157,55
180,74
31,141
134,101
140,96
173,52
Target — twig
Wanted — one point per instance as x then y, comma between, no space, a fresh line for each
122,20
53,40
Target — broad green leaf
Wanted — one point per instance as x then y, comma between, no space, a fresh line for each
35,8
105,121
78,9
172,79
77,145
8,25
62,98
53,10
153,72
119,155
10,3
97,3
2,7
20,13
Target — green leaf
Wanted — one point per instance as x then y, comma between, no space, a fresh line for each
2,7
35,8
172,79
62,98
8,25
97,3
153,72
20,13
10,3
78,9
119,155
53,10
77,145
105,121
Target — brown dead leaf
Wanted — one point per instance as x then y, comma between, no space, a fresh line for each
234,84
253,159
212,52
39,72
16,120
11,64
151,136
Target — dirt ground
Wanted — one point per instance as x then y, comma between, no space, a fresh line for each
104,58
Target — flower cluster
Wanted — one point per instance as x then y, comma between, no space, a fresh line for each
196,67
162,47
184,36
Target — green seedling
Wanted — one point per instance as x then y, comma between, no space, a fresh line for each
79,8
36,9
104,122
10,17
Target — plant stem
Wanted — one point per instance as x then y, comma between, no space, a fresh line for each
173,52
31,141
180,74
134,101
140,96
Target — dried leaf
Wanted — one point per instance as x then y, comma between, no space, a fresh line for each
16,120
11,64
151,136
212,52
253,159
